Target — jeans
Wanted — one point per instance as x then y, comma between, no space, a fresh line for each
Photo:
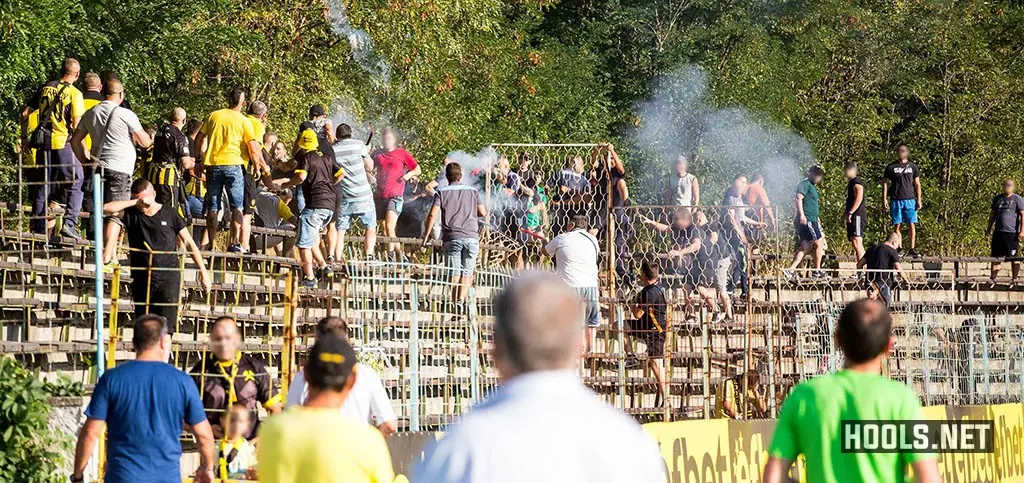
460,256
311,221
220,179
66,171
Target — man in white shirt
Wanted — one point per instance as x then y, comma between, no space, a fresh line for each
368,400
114,132
575,253
542,425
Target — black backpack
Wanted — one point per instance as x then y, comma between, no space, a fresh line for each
42,132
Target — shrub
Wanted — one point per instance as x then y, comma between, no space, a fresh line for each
29,448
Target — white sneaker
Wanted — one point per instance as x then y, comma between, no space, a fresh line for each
789,274
717,317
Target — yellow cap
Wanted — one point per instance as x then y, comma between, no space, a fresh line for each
308,140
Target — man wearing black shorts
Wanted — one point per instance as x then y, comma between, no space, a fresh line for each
856,210
171,157
1004,224
650,323
809,235
154,231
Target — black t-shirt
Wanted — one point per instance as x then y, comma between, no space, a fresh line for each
881,257
318,189
170,145
651,300
901,180
253,386
851,197
157,233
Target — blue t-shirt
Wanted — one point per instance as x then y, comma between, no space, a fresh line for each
144,404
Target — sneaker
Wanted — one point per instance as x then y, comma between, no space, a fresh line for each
901,252
111,267
71,232
308,283
913,253
330,260
328,272
788,274
235,248
631,362
819,274
717,317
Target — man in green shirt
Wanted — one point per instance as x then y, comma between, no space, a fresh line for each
810,420
808,228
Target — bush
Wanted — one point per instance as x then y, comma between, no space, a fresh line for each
29,448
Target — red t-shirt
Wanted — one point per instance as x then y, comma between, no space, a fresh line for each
391,166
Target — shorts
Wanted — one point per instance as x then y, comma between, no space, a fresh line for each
855,227
362,209
903,211
1005,245
311,222
220,179
722,274
589,296
810,232
249,193
460,255
117,186
384,205
654,339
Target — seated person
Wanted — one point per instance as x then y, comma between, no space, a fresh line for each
236,456
727,398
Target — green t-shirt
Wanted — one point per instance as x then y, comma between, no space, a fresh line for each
809,424
810,203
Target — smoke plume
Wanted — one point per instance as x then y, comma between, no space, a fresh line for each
363,51
681,119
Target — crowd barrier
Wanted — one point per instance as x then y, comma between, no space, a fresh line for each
726,451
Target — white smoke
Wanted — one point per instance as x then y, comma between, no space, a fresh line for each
681,119
363,52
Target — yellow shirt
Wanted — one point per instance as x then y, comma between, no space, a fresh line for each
306,445
69,106
258,130
89,103
227,131
30,125
726,391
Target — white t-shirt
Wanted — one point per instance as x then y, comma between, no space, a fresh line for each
116,150
575,255
683,192
368,402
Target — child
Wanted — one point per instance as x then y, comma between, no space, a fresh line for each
649,325
236,457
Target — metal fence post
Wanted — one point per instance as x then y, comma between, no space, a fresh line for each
474,341
926,356
97,227
414,360
621,372
288,331
984,359
706,360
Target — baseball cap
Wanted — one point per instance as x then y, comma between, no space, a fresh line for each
308,140
316,110
331,361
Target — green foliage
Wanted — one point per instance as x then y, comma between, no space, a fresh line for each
28,446
854,78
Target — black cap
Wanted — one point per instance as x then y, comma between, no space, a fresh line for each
331,361
316,110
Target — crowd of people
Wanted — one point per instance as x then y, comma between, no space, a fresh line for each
541,424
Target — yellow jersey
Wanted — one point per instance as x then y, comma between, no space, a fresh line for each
258,130
227,131
311,444
30,124
69,106
90,99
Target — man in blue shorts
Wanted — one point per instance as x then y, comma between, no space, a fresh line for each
355,196
901,194
460,208
807,224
